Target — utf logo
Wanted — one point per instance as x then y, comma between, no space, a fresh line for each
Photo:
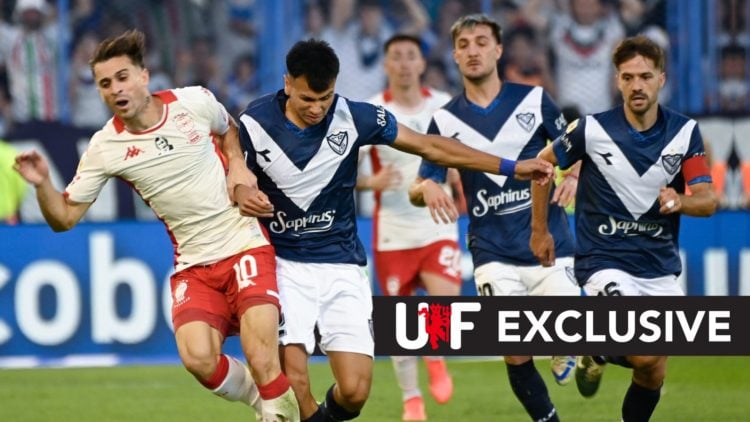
436,323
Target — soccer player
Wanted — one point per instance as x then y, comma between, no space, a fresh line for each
410,249
225,280
303,144
636,159
511,120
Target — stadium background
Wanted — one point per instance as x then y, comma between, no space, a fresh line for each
95,296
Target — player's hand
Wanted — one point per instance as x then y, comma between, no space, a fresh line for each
441,205
387,178
565,192
239,174
32,167
543,247
535,169
252,202
669,201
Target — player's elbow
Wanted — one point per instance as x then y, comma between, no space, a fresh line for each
59,227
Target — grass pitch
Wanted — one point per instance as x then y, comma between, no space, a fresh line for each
697,389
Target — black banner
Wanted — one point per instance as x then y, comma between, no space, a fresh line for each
489,326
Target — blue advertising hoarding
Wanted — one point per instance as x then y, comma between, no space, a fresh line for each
99,293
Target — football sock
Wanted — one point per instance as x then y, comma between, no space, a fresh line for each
531,391
406,375
619,360
232,381
639,403
334,411
318,416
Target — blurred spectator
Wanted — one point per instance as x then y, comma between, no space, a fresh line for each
242,85
581,41
442,50
88,110
357,30
358,41
315,21
734,87
435,77
237,38
29,52
524,60
12,185
199,65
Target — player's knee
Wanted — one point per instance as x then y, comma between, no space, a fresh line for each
649,371
263,361
354,392
201,364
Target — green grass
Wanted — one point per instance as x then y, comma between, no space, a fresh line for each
697,389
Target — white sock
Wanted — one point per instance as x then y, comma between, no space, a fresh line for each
406,375
284,405
239,385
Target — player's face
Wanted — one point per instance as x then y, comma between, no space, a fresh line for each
122,85
476,53
404,63
306,107
639,81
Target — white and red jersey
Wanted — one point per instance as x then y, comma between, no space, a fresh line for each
178,171
398,224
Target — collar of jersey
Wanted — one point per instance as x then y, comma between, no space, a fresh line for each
483,110
310,130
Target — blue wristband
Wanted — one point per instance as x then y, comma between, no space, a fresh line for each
507,167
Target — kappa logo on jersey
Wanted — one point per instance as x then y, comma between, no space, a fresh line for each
133,151
163,145
338,142
671,162
526,120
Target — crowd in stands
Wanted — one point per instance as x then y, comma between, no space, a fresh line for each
562,45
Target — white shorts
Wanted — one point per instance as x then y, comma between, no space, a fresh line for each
498,279
335,297
613,282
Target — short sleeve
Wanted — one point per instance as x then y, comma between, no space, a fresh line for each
553,121
571,145
90,176
375,124
246,143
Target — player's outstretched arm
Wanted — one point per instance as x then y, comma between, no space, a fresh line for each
541,242
452,153
61,214
427,192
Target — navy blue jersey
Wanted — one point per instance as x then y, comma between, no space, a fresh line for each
310,174
516,125
618,224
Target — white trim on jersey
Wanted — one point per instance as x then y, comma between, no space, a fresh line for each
637,193
509,141
303,186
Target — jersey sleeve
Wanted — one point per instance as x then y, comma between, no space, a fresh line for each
571,145
428,169
246,142
553,120
375,124
90,176
202,102
694,167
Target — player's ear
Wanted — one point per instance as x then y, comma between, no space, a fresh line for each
662,79
287,84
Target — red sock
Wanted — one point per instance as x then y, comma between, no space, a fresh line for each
274,388
222,368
